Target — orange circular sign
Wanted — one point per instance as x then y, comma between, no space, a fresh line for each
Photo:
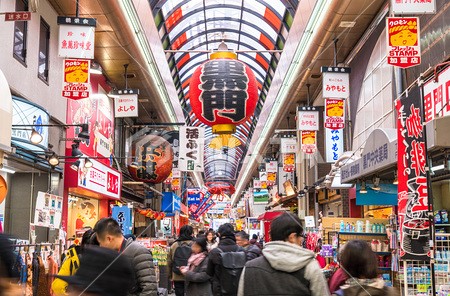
3,189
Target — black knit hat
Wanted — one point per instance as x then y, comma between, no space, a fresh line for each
102,272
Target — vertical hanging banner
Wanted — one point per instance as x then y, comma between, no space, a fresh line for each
192,143
334,114
403,42
289,162
126,102
123,216
256,184
336,82
436,96
308,119
176,184
272,166
288,145
76,83
309,144
76,37
334,144
418,7
412,179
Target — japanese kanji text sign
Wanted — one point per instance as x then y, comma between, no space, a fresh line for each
256,184
308,120
123,216
334,114
76,84
272,166
403,42
309,144
334,144
76,37
288,145
18,16
101,179
126,106
192,144
437,96
413,6
336,82
412,178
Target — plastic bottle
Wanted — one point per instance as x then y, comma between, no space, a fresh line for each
367,226
382,228
342,226
374,228
378,228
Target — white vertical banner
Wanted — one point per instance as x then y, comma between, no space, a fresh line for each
334,144
263,176
288,145
192,145
272,166
308,120
76,37
418,7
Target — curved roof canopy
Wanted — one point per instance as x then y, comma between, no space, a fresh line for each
256,29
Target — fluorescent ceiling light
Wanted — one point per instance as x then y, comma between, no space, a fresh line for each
437,168
7,170
346,24
303,47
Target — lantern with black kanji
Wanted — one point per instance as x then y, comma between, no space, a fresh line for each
223,92
150,159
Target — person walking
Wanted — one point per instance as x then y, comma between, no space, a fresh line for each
285,267
211,240
226,263
197,280
109,235
252,251
71,263
179,254
8,277
360,263
254,241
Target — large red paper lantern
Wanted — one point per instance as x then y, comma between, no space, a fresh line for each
151,159
223,92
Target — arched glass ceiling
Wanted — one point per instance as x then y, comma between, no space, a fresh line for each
192,26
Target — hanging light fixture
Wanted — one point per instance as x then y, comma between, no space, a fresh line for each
395,182
75,151
88,163
84,134
363,188
376,183
75,165
53,160
35,137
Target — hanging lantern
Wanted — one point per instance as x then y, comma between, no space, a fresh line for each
223,92
223,141
151,159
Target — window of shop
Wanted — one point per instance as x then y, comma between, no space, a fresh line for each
20,34
44,42
375,106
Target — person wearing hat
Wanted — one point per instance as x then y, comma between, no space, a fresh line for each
109,235
102,272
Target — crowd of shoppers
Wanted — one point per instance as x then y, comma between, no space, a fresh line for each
222,264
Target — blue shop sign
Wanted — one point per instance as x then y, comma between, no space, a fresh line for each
171,202
123,216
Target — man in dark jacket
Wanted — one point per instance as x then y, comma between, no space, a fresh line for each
285,267
185,240
109,235
252,251
227,243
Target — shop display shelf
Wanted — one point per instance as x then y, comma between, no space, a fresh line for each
363,233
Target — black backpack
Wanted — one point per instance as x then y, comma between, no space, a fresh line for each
181,256
231,266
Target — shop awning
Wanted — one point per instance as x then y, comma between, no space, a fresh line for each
379,153
269,216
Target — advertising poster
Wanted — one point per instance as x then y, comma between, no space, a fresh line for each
334,113
97,111
413,7
48,212
289,162
412,179
123,216
176,184
192,143
288,145
82,213
76,83
261,196
271,179
100,178
309,145
126,106
272,166
403,41
437,96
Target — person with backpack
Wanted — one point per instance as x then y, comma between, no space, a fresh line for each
285,267
71,263
197,280
179,254
360,263
226,263
242,240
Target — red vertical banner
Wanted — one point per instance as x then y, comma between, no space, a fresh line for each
403,39
412,179
289,162
309,144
